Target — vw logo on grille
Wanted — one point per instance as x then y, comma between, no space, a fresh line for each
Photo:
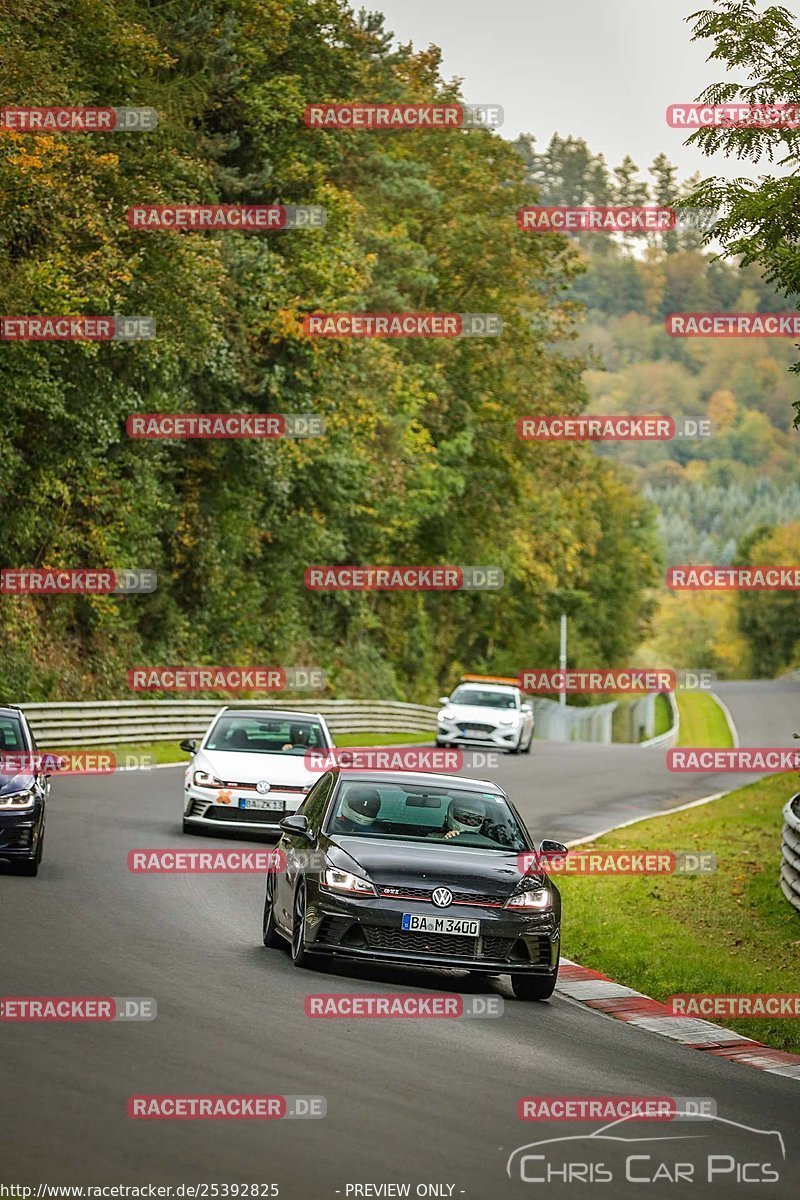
262,786
442,897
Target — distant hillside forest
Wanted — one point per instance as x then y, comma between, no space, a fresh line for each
719,498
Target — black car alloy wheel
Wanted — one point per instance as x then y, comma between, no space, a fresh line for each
300,956
270,934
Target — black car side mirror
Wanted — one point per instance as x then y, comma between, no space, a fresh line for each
189,745
555,848
296,825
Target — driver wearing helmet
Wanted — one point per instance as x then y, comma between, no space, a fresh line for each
463,816
358,811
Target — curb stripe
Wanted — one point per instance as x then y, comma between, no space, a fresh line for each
625,1004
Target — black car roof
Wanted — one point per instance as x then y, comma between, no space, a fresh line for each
419,777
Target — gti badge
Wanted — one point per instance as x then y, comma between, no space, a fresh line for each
442,897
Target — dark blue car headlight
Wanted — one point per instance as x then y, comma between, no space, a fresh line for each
17,801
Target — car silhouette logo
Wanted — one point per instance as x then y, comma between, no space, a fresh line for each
262,787
442,897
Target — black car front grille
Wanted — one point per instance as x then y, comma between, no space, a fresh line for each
415,893
254,816
437,945
476,727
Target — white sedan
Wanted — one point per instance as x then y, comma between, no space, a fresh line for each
490,715
251,769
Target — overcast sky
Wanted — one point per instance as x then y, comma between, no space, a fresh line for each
604,71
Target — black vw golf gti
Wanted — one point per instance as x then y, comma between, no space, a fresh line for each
416,869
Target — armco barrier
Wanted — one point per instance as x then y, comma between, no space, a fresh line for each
568,723
790,852
112,722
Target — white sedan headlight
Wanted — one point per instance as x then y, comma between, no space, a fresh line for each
512,720
447,715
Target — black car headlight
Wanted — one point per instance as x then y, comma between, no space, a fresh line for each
534,899
336,880
17,801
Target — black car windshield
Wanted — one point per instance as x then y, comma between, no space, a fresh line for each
483,698
249,734
422,813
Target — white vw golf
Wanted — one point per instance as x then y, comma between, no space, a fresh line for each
250,769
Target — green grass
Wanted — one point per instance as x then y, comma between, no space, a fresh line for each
663,715
728,932
702,721
170,752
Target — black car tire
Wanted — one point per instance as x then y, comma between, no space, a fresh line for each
530,744
445,745
271,938
534,987
300,956
31,867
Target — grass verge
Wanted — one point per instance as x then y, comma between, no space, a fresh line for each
703,722
728,932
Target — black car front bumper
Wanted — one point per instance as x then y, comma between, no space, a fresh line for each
508,943
20,833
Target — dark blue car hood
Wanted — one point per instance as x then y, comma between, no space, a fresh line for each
14,783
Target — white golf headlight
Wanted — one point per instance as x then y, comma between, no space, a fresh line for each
203,779
447,715
509,720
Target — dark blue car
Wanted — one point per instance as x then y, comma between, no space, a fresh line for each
24,788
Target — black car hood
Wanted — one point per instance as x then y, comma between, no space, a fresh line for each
421,864
15,783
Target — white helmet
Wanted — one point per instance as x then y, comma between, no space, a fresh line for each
361,805
465,815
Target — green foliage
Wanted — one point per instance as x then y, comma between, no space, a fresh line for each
420,462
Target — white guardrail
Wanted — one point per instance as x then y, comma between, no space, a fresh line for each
110,722
790,852
115,722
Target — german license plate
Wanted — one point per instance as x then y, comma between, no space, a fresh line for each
258,802
415,923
